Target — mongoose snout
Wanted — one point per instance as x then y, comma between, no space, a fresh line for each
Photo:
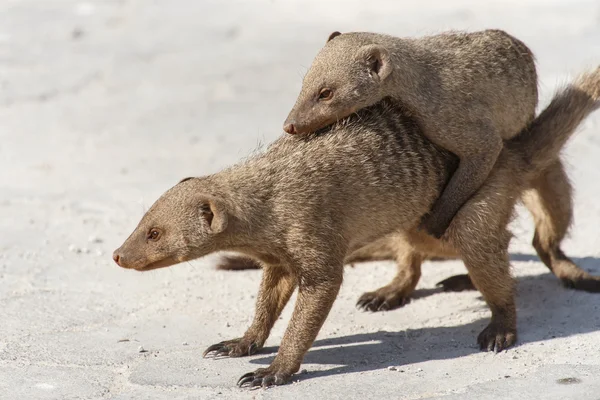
124,261
116,258
121,260
289,127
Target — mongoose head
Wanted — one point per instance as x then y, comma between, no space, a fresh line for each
345,76
183,224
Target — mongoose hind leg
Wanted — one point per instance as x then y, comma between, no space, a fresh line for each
396,293
318,285
489,269
478,153
550,203
479,232
276,287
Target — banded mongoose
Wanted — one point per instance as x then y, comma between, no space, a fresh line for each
368,176
467,91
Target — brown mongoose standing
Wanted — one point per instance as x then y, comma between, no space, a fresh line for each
468,92
409,257
369,176
550,202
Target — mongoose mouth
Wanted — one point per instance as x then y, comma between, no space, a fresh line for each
167,262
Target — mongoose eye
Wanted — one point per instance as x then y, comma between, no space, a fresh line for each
153,234
325,94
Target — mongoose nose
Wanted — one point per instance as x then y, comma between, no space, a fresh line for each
117,258
290,128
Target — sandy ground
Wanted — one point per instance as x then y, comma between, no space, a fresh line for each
104,105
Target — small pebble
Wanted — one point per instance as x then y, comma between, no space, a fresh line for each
74,249
94,239
304,371
99,253
141,350
420,370
77,33
184,344
85,250
391,368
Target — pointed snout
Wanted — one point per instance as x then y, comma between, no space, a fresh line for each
290,127
122,258
297,124
117,257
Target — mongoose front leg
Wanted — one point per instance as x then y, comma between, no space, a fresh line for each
479,232
316,294
477,158
396,293
276,287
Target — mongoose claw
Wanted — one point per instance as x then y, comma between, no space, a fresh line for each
263,377
495,337
456,283
374,301
231,348
219,349
249,377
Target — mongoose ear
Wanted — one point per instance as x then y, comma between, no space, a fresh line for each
214,214
185,179
333,35
378,61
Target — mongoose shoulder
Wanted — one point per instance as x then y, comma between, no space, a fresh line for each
468,92
307,202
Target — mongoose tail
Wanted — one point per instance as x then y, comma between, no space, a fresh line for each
541,142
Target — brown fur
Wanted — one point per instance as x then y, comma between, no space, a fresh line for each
468,91
307,203
235,262
550,202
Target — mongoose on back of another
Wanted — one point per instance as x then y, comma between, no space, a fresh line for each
468,92
307,203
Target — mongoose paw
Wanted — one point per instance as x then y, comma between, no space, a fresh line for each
456,283
379,300
264,377
232,348
496,337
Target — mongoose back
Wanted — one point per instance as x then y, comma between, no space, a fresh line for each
468,92
308,202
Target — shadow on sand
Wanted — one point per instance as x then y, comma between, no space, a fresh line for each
544,310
